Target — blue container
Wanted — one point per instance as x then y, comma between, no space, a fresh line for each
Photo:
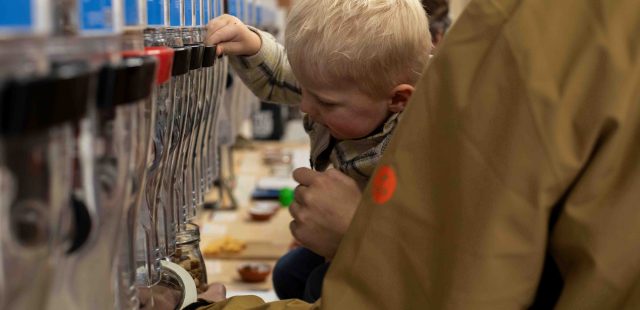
95,16
250,14
219,7
155,12
208,11
259,16
188,13
16,16
198,12
132,13
175,13
233,8
242,11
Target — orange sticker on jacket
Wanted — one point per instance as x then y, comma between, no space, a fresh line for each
384,184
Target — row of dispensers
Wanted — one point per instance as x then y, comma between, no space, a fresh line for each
108,145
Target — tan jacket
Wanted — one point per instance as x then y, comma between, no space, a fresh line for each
523,140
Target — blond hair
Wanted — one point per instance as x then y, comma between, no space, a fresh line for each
376,44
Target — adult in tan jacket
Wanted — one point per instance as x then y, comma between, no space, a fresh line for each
514,179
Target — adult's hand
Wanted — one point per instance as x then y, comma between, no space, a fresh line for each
323,208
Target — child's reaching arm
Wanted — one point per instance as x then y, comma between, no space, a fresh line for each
257,58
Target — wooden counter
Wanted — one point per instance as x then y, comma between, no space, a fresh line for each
265,241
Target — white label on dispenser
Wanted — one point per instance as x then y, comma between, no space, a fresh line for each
96,15
117,15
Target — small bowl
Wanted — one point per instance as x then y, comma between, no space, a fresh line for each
260,217
254,272
263,211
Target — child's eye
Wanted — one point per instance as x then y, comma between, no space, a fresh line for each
327,104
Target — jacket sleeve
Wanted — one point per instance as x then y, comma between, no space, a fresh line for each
268,73
253,302
519,147
469,188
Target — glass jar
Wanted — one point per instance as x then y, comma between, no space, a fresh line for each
160,146
187,36
218,128
195,110
181,64
189,256
196,34
174,37
155,37
208,62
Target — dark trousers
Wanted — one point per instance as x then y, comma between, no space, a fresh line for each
299,274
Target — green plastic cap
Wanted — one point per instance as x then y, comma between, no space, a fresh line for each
286,196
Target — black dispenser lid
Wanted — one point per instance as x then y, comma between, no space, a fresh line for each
39,103
209,56
126,82
106,87
197,52
181,60
137,82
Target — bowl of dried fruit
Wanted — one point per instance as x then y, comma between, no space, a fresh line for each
254,272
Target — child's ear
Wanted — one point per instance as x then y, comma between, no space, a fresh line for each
399,97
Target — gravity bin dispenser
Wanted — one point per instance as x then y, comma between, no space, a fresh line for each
110,132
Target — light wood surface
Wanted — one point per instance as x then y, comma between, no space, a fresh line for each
265,241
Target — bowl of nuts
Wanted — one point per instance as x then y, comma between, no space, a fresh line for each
254,272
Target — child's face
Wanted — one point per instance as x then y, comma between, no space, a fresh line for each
345,110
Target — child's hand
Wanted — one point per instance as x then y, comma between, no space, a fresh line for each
232,37
215,292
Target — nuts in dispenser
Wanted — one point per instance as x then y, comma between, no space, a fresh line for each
189,257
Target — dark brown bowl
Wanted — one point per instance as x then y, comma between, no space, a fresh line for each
254,272
262,212
260,217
